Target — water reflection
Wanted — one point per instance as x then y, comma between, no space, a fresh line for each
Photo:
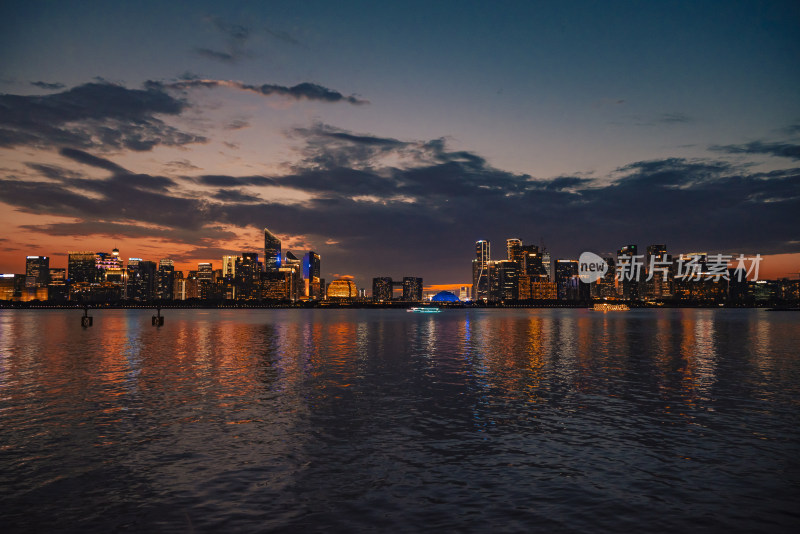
268,411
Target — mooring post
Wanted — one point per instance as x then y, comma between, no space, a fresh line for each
158,320
86,320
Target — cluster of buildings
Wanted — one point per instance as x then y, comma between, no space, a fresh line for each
104,277
529,273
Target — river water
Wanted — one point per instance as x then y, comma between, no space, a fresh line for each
558,420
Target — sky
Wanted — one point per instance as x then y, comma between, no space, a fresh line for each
389,137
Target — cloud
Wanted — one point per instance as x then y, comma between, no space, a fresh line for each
49,86
94,115
301,91
235,36
282,36
781,150
88,159
674,118
415,208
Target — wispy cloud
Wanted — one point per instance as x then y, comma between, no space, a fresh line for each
235,37
674,118
305,90
49,86
781,150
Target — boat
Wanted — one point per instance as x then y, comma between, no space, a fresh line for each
426,309
606,306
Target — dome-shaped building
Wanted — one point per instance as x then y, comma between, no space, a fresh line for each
444,296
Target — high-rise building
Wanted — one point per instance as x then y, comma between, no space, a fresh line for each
659,285
514,250
141,280
481,285
547,266
57,287
229,265
248,276
311,274
412,289
165,279
382,289
628,288
605,287
507,280
81,268
292,264
272,252
37,271
567,280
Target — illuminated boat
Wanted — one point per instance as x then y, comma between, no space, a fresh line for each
427,309
605,307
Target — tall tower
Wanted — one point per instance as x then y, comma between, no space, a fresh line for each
272,252
514,249
480,271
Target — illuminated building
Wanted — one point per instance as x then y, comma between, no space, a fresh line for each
272,252
412,289
12,286
547,266
382,289
248,277
342,289
481,286
294,266
605,287
463,293
505,286
276,285
141,280
567,280
541,289
81,268
165,279
229,265
658,286
57,287
311,274
629,289
37,271
514,250
444,296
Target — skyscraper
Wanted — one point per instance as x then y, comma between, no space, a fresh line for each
141,279
567,280
311,274
412,289
37,271
382,289
658,285
272,252
629,288
514,250
229,265
480,271
507,276
81,268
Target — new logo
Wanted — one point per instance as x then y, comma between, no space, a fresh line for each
591,267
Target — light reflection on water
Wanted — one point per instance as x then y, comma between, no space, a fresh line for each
656,420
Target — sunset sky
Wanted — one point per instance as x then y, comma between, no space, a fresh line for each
389,137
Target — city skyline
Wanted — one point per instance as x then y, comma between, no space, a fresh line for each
580,127
524,273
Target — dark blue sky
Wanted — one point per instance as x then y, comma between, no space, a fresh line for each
375,129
